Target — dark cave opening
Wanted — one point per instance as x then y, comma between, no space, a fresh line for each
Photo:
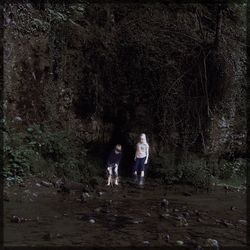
120,135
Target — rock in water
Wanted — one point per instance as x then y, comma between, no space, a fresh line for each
98,209
179,242
18,119
164,204
137,221
15,219
243,222
165,216
92,221
212,243
46,184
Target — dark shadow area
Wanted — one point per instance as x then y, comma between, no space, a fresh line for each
120,135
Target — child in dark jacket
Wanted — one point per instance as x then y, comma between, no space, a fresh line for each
113,164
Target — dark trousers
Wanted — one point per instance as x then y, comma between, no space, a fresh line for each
139,164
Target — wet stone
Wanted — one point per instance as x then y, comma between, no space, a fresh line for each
179,243
92,221
199,220
98,209
137,221
165,216
164,203
15,219
242,222
46,184
182,221
167,238
186,215
100,194
212,243
59,236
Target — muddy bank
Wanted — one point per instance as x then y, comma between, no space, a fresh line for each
38,215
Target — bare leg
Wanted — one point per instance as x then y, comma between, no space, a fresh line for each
135,177
116,176
109,175
141,178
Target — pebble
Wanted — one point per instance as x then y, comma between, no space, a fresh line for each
186,215
146,242
182,221
164,203
165,216
199,220
137,221
85,195
243,222
212,243
100,194
225,223
92,221
167,237
98,209
15,219
18,119
59,236
38,184
46,184
58,183
179,242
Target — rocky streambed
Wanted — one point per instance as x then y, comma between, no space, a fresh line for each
38,213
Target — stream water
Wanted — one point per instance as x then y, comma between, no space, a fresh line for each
36,215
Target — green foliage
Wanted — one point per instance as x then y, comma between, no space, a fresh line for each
231,169
195,170
163,166
40,149
197,173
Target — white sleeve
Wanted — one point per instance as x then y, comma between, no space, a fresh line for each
147,153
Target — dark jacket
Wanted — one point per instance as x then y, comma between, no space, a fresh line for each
114,158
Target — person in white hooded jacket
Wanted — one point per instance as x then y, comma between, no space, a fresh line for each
141,158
